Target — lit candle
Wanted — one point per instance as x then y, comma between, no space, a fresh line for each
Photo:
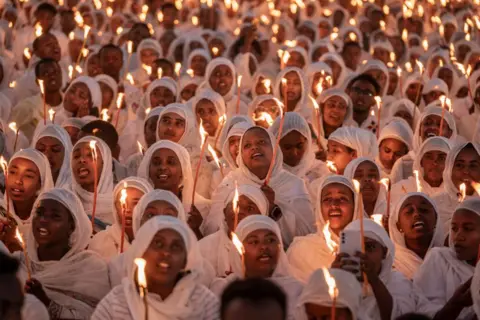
178,67
332,167
239,83
332,245
417,180
241,250
446,102
215,158
105,116
476,186
400,82
203,136
388,187
25,254
42,90
119,107
13,127
378,218
4,165
142,282
463,192
123,203
129,56
317,120
236,209
86,31
140,147
51,114
267,83
221,123
92,145
356,183
379,107
265,117
332,291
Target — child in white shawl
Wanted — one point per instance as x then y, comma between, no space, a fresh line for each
147,52
448,288
414,228
286,193
335,207
218,247
54,142
166,244
461,167
83,174
316,302
291,81
263,258
68,279
108,242
389,293
430,164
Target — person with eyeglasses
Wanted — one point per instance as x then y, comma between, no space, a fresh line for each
362,90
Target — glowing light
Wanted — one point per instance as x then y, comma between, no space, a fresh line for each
215,158
178,67
332,245
119,100
141,278
378,219
147,68
105,116
332,285
130,79
463,192
356,184
38,30
266,83
215,51
264,116
13,126
238,244
51,114
203,133
27,54
12,84
331,165
417,180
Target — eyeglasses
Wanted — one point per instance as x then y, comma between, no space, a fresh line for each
362,92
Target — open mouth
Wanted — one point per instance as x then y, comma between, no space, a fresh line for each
418,225
264,257
43,232
16,191
164,266
83,172
162,177
335,213
257,155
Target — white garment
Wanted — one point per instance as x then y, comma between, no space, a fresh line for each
360,140
432,110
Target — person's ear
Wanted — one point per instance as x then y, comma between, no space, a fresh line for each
354,154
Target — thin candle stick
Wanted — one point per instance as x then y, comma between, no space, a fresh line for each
25,254
95,178
239,83
123,203
204,136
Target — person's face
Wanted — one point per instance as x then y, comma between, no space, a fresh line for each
257,151
318,53
323,29
94,67
169,16
246,207
405,115
67,22
262,249
74,48
150,130
466,169
54,150
293,146
295,60
206,112
23,181
318,312
432,96
293,87
449,31
45,18
334,111
240,309
362,94
465,234
166,257
375,252
77,99
336,70
198,65
380,77
221,79
413,91
188,92
107,94
337,206
51,74
392,83
52,224
111,61
171,127
165,170
133,196
417,219
351,55
83,166
433,164
148,56
158,208
446,75
340,155
368,176
382,55
307,32
137,34
48,47
430,127
161,96
234,146
390,151
268,106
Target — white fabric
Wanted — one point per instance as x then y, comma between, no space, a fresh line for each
474,206
448,118
363,141
112,84
399,130
93,88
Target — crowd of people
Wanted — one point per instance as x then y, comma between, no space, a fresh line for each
240,159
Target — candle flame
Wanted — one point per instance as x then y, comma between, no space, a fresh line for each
159,73
12,84
123,195
178,67
238,244
42,87
78,69
18,235
160,16
4,165
386,183
463,192
417,180
78,19
70,71
195,20
378,218
141,278
129,47
140,147
331,165
332,245
239,81
13,126
404,35
420,66
319,87
393,56
264,116
51,113
109,12
214,155
203,133
425,45
476,186
105,116
266,83
147,111
332,285
38,30
147,68
27,54
119,100
190,73
215,51
130,79
285,57
119,30
352,36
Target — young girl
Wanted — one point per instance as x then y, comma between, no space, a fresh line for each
54,142
209,108
83,172
198,61
68,279
108,242
394,141
263,258
172,270
461,167
148,51
335,207
262,108
448,288
159,93
290,82
415,228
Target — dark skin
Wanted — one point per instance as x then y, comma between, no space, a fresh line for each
466,169
83,166
52,226
111,60
433,164
262,248
241,309
48,47
431,127
78,100
221,79
340,155
334,111
337,206
51,74
318,312
133,196
390,151
293,146
368,176
54,150
246,207
362,94
293,89
150,130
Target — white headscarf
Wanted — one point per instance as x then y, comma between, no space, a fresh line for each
295,122
432,110
198,52
168,83
112,84
316,291
57,132
93,88
237,130
376,65
397,129
151,44
335,57
363,141
176,305
79,273
473,205
104,186
407,261
403,105
219,62
156,195
277,87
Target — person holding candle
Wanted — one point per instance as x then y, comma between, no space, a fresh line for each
108,242
84,165
66,278
54,142
290,89
336,206
197,61
209,108
448,288
374,196
428,125
317,74
415,228
264,109
429,162
218,247
147,52
288,198
315,302
362,89
389,293
461,166
111,60
263,258
173,268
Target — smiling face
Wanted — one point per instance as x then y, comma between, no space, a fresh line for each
433,164
465,234
466,169
390,151
368,176
52,224
171,127
83,166
54,150
334,111
158,208
431,126
221,79
165,170
293,145
166,257
24,180
205,110
257,151
133,196
262,248
417,220
337,206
